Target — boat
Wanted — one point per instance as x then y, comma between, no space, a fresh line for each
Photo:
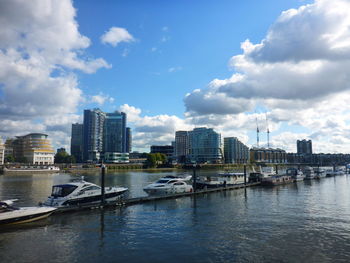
222,179
276,180
31,169
319,173
296,174
10,214
80,193
265,172
169,185
334,172
309,173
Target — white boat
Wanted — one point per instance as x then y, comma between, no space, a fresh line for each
331,172
309,173
296,174
30,169
16,215
265,172
220,180
79,193
169,185
319,173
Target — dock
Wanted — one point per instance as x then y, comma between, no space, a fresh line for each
147,199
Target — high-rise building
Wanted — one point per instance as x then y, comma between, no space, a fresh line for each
93,135
128,140
115,138
114,132
2,152
181,146
304,146
76,145
33,148
235,151
205,146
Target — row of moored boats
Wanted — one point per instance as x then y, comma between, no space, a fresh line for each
80,193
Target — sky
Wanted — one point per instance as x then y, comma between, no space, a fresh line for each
177,65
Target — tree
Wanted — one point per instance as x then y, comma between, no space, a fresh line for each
9,158
151,160
63,157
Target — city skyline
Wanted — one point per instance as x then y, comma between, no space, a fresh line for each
212,66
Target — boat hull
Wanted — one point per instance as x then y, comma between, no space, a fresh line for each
20,216
202,185
276,180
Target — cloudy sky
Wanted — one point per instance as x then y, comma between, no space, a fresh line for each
176,65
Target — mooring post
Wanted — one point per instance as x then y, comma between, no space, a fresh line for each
194,178
103,171
245,175
333,167
276,169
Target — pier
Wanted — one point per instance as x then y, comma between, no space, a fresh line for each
147,199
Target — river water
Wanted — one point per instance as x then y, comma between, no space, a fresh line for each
304,222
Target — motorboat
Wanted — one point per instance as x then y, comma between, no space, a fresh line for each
296,174
10,214
169,185
319,173
222,179
334,172
276,180
265,172
80,193
309,173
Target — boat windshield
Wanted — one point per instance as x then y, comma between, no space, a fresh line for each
62,190
162,181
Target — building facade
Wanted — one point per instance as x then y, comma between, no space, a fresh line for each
235,151
168,150
181,146
76,143
267,155
128,140
2,152
114,132
205,146
33,148
93,135
304,147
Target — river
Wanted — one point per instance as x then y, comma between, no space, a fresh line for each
304,222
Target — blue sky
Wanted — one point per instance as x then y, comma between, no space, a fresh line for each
176,65
196,38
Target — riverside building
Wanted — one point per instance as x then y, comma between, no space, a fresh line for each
267,155
93,135
76,143
304,147
33,148
114,138
205,146
235,151
2,152
181,146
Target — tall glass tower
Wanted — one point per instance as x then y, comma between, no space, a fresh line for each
114,132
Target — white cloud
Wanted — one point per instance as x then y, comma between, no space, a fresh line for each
101,98
116,35
40,46
174,69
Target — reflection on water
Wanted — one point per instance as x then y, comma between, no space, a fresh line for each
304,222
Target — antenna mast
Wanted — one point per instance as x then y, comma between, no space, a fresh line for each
268,132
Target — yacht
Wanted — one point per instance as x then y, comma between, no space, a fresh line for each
309,173
16,215
220,180
169,185
80,192
296,174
